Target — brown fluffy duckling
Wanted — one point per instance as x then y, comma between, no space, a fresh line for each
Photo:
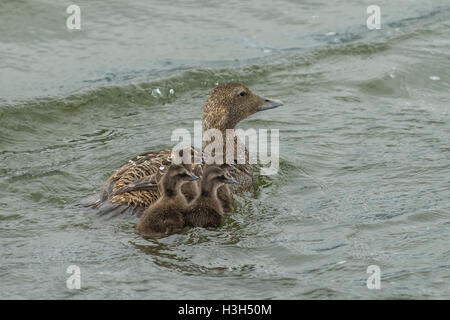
224,193
206,210
165,215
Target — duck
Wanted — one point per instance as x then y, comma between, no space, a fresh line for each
165,216
206,210
126,191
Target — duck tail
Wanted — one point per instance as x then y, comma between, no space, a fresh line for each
90,202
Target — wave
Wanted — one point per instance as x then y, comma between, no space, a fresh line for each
166,85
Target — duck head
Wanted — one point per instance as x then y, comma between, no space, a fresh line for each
229,103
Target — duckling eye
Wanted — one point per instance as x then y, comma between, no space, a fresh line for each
243,93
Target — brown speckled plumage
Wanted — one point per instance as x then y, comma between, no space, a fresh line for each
126,190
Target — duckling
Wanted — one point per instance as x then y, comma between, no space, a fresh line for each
224,193
165,215
226,105
192,190
206,210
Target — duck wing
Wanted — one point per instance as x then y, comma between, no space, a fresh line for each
145,183
131,188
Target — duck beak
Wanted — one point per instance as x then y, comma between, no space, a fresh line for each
229,167
269,104
229,180
193,177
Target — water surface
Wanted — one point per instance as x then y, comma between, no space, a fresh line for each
364,173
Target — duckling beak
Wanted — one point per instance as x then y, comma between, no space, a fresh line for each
193,177
269,104
229,180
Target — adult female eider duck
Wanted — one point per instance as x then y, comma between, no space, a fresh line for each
226,105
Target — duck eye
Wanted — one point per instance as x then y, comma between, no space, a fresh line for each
243,93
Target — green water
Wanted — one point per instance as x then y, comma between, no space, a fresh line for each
364,173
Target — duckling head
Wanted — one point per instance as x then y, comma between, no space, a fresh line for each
229,103
175,176
213,177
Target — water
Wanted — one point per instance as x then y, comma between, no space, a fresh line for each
364,140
